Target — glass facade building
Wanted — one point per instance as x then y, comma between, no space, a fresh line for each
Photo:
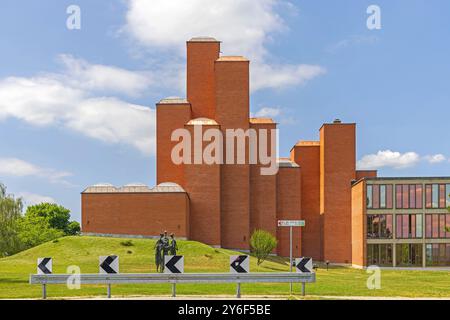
407,222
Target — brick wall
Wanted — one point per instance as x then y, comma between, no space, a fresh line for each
146,214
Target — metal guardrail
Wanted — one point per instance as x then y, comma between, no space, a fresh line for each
149,278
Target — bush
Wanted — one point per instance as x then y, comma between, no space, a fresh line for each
127,243
262,244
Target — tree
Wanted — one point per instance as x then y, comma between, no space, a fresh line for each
34,230
262,244
73,229
56,215
10,214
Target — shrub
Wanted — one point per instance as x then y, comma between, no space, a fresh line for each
262,243
127,243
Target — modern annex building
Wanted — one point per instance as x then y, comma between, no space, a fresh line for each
350,215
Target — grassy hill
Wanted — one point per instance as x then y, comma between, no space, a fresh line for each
139,258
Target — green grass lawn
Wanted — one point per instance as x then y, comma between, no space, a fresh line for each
139,258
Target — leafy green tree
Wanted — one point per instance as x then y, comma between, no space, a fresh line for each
10,214
56,215
73,229
262,244
34,230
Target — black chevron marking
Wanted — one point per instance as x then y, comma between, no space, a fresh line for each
236,264
171,264
106,264
43,265
302,265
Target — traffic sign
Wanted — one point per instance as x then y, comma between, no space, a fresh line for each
44,265
291,223
304,265
240,264
173,264
109,264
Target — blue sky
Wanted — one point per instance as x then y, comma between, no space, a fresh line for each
77,106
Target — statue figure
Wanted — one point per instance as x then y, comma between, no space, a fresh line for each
173,245
159,259
166,245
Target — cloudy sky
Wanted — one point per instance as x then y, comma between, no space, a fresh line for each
77,106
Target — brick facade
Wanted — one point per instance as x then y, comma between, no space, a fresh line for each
221,204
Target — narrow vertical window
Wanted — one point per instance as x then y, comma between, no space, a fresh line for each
369,196
412,196
442,226
442,196
418,226
398,225
383,196
389,196
428,201
419,196
428,226
376,196
405,196
435,196
435,226
398,196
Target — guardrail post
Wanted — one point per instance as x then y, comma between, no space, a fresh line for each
303,288
109,291
174,290
238,290
44,291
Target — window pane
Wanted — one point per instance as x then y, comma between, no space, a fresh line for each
405,196
442,226
405,225
419,196
412,196
435,196
435,226
398,226
398,196
447,193
428,195
389,227
442,197
412,220
376,196
369,196
389,196
428,226
419,226
382,196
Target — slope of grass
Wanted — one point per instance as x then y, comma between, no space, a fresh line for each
139,258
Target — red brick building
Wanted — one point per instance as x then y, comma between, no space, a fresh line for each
220,204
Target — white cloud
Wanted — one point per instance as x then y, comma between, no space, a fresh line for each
245,28
32,199
436,158
353,40
388,158
58,100
396,160
268,112
281,76
20,168
81,74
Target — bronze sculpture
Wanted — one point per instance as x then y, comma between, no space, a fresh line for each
164,247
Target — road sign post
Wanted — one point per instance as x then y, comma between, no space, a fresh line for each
291,224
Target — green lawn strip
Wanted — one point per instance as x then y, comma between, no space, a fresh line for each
139,258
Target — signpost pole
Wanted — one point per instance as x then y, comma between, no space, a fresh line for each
290,256
109,291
